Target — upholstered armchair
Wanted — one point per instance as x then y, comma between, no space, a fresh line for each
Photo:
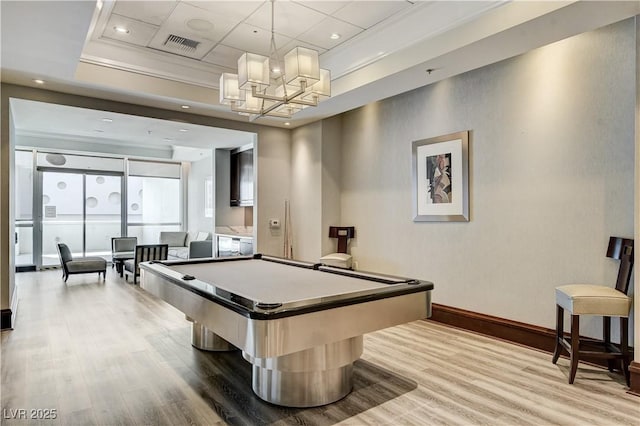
80,265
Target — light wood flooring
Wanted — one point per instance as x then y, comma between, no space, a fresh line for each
109,353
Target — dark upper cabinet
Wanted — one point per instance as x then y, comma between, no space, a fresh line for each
242,178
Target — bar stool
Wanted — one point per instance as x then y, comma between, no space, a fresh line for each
587,299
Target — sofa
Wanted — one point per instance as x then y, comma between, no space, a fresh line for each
182,247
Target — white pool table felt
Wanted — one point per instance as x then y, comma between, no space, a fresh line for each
271,282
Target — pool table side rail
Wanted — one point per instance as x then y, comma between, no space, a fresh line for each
290,262
254,309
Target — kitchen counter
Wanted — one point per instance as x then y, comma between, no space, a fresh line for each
233,241
235,231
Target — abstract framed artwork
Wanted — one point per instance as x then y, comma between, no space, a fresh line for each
441,178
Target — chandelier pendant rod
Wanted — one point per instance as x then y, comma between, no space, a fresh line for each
274,49
255,115
286,99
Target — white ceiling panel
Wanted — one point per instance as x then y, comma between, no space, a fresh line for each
320,35
366,14
185,15
237,10
291,19
327,7
253,39
139,33
150,12
225,56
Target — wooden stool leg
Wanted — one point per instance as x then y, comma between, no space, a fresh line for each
575,346
606,338
559,333
624,348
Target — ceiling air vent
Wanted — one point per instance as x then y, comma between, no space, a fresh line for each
181,43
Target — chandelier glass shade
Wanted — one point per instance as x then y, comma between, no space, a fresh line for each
260,87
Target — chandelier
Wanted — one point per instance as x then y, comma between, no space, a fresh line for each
260,88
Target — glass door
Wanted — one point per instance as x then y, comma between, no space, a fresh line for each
103,213
81,210
62,214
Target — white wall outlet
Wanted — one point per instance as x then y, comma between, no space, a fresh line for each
274,223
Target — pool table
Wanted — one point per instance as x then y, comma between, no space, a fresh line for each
299,324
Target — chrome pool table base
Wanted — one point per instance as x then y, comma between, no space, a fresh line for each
308,378
206,340
302,351
312,377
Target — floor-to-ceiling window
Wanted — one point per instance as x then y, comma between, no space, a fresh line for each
84,201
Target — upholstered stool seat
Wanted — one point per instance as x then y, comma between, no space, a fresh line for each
589,299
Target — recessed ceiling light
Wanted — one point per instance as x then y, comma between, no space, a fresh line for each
184,130
185,106
335,36
38,81
107,120
199,25
121,30
287,124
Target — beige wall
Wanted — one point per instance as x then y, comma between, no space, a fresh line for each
636,302
7,260
551,177
306,191
315,187
273,167
331,180
272,175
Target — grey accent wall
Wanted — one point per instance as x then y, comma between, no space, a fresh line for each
551,177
